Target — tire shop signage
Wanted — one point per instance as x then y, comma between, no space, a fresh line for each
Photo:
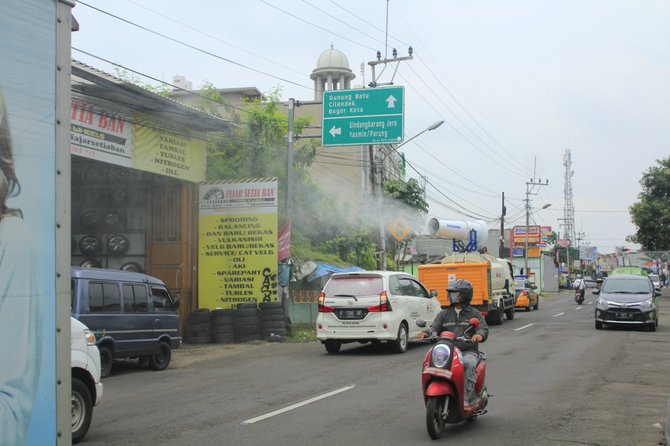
237,260
135,140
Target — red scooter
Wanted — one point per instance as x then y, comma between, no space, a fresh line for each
443,382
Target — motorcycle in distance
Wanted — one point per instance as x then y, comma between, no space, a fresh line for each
443,381
579,296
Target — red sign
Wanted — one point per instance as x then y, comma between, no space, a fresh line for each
284,242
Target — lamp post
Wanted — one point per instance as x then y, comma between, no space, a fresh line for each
380,192
525,252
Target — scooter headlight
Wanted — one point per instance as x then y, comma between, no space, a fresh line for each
440,355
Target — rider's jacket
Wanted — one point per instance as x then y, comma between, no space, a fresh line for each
457,323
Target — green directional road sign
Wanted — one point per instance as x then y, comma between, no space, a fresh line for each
363,116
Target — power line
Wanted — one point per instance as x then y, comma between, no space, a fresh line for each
315,25
193,47
192,28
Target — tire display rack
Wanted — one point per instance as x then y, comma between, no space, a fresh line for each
109,215
247,322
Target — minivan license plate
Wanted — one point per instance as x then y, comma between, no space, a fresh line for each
350,314
624,315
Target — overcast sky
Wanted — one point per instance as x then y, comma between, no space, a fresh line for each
518,82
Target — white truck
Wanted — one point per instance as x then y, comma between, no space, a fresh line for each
86,385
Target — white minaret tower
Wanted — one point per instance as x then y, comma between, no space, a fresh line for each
332,72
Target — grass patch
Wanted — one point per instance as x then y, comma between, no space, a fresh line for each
302,333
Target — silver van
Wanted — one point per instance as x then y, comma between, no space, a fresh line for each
132,315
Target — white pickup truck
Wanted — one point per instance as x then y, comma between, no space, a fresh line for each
86,385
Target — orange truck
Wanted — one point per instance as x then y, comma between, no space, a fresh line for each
491,279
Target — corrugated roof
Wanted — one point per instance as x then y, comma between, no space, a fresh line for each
96,84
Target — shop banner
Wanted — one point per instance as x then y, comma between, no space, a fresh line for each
102,132
237,261
170,152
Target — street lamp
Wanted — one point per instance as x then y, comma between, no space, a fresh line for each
433,126
525,251
380,191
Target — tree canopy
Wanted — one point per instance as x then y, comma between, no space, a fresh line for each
651,214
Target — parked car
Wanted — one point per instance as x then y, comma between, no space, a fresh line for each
132,315
373,306
656,280
526,296
86,385
627,299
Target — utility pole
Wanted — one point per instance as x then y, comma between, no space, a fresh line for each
502,227
529,191
376,167
289,158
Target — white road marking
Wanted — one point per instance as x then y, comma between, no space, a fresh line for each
297,405
559,314
525,326
578,308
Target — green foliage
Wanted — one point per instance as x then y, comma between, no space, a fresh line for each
651,214
302,333
258,149
408,192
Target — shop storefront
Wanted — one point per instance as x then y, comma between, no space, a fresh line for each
137,160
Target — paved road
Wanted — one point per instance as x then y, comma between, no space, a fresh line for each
555,380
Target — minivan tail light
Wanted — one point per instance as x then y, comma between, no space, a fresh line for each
384,304
324,308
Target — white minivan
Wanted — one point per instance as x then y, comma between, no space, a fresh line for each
86,385
373,306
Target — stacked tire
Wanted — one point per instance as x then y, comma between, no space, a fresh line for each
198,327
246,323
221,325
273,322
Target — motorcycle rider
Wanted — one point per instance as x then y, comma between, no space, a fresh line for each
455,319
581,288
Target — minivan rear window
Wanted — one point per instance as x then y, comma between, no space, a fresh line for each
104,298
354,285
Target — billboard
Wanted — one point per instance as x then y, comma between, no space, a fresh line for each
237,245
29,135
519,234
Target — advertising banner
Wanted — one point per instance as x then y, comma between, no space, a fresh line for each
131,140
519,234
588,253
172,153
237,242
100,134
545,233
28,222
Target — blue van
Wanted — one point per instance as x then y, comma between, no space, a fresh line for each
132,315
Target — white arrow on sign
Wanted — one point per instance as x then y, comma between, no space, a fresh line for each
335,131
390,101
